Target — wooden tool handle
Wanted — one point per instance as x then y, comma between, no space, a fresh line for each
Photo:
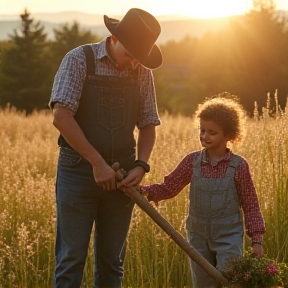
143,203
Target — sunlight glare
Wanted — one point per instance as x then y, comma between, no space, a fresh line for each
204,8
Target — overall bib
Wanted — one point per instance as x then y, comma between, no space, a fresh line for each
214,223
107,114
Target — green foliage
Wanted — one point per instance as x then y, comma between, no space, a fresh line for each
252,272
175,90
248,59
23,81
29,62
259,43
67,38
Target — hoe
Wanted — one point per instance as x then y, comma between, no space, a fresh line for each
143,203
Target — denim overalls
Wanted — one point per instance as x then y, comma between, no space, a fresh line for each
214,224
107,114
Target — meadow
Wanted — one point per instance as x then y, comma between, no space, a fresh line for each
28,157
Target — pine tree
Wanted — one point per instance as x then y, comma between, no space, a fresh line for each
260,55
23,79
68,37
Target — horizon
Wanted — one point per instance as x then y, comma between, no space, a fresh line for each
182,16
185,8
161,17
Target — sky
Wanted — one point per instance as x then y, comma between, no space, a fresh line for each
191,8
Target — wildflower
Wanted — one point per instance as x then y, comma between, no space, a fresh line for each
271,269
252,272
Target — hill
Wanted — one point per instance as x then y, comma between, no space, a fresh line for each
174,27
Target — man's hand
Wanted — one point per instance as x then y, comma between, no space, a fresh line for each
65,122
104,176
133,179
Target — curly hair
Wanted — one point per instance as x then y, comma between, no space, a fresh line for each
225,110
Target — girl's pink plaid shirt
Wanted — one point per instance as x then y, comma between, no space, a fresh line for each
181,176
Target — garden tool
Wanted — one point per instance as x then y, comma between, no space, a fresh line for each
143,203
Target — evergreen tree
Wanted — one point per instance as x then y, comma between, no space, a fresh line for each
248,59
67,38
260,55
23,81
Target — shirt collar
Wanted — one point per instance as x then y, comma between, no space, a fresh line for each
205,157
102,52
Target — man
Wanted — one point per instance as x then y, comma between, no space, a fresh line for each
96,108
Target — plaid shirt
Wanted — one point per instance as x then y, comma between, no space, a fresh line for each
175,182
71,75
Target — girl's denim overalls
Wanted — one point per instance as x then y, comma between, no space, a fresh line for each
214,224
107,115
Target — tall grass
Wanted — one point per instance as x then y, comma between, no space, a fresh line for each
28,156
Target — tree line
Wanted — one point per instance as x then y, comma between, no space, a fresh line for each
29,62
248,59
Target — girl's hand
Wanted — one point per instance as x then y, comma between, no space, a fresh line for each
257,249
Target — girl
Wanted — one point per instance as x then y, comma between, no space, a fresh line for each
220,187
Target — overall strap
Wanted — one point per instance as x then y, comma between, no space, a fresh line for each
197,166
90,61
234,162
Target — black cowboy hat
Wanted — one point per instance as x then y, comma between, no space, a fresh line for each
138,32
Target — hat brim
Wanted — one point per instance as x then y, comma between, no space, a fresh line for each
152,61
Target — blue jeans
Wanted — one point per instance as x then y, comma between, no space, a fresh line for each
80,204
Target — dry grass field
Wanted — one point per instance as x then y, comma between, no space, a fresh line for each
28,156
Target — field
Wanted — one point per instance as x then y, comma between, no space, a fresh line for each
28,156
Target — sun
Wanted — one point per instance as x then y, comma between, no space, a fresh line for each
205,8
220,8
190,8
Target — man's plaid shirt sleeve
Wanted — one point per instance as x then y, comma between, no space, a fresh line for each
69,80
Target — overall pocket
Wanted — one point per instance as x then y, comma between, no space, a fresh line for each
111,112
68,157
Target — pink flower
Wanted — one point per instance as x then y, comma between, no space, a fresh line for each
270,269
